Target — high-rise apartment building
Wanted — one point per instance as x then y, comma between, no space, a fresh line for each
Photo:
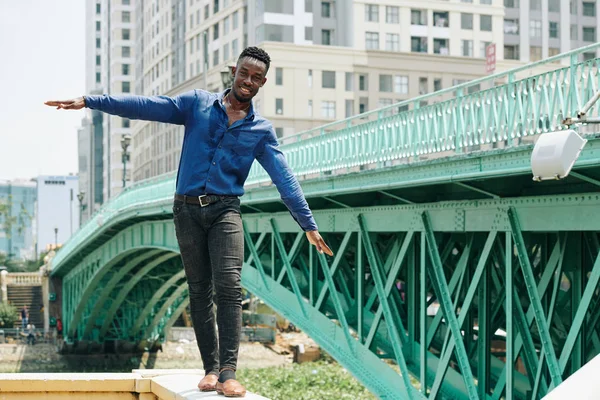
110,55
538,29
330,59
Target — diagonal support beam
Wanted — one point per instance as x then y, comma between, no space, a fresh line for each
394,336
475,189
254,253
582,310
292,254
288,267
441,287
336,262
538,312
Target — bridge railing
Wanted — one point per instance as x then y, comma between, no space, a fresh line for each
522,105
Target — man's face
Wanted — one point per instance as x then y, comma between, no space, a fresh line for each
248,78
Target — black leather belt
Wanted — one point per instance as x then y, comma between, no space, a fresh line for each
202,201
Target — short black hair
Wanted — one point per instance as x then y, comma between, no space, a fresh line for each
256,53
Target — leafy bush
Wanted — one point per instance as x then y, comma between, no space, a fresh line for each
308,381
8,315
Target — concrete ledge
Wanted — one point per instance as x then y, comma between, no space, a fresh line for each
140,384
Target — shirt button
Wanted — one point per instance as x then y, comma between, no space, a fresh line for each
209,179
219,146
214,163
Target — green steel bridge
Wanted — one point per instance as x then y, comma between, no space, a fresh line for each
455,275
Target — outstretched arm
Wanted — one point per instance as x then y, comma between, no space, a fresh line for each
274,162
174,110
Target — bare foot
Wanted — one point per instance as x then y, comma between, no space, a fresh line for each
208,383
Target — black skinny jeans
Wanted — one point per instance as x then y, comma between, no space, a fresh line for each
211,242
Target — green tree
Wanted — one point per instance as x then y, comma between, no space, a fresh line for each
8,315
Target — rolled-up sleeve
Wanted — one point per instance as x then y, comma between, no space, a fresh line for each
273,161
173,110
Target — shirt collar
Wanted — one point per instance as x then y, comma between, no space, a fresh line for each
221,96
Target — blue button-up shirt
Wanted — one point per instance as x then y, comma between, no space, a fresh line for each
215,157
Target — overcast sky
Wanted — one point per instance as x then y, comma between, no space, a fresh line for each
42,57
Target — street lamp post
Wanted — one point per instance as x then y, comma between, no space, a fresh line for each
125,142
80,196
227,76
55,237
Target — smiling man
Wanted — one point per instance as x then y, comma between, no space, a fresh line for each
223,136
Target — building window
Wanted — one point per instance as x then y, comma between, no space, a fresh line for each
535,53
511,52
440,46
573,7
554,5
363,105
535,28
349,108
98,77
553,51
125,69
511,3
372,40
97,60
310,78
308,6
279,106
485,23
125,16
553,29
308,30
97,26
226,52
589,34
126,34
234,18
226,26
349,81
216,7
325,9
483,49
466,48
588,56
328,109
126,2
423,86
97,8
589,8
216,31
328,78
279,132
371,13
385,103
125,87
215,57
466,21
401,84
125,123
97,43
392,14
574,29
392,42
385,83
234,48
363,82
326,37
485,1
310,108
418,44
125,51
511,26
437,84
441,19
418,17
278,76
206,12
535,5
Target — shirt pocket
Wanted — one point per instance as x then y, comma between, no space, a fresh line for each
245,144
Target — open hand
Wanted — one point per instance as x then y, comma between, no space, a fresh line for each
315,239
73,104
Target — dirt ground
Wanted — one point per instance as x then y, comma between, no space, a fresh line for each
182,354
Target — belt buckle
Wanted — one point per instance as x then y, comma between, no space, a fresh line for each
201,200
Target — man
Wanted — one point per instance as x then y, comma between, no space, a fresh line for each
223,136
24,316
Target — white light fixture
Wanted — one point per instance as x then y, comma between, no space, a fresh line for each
555,153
